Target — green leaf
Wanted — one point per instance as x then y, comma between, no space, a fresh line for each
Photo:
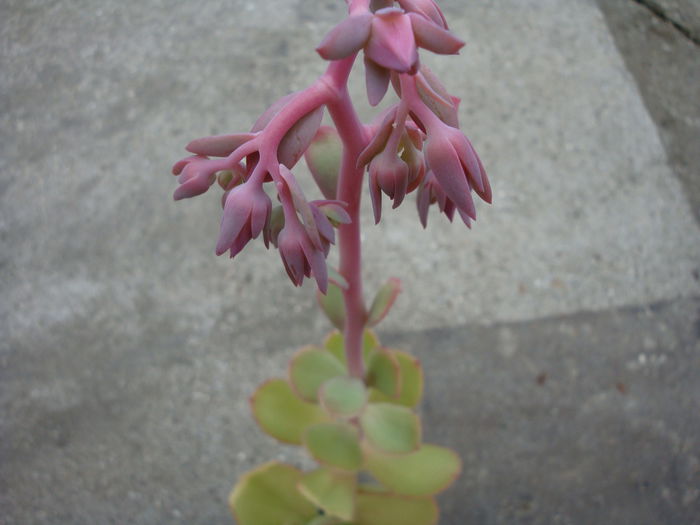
324,156
389,509
335,445
310,368
268,496
429,470
337,278
333,305
391,428
343,397
281,414
383,372
330,490
335,344
383,301
411,372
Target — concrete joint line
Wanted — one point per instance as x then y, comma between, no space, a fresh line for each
658,11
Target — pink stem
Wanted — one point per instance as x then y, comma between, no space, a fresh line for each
354,137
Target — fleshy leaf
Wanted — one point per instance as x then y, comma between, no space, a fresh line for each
310,368
383,373
269,114
383,301
435,96
336,346
411,390
388,509
335,445
343,397
298,138
333,305
281,414
324,156
390,428
218,145
268,496
429,470
332,491
337,278
434,38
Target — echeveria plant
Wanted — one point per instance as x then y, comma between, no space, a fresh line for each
349,401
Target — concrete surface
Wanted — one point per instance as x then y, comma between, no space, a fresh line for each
560,335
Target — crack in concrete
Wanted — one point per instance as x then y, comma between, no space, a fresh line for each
658,11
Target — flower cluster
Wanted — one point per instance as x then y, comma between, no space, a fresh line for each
414,145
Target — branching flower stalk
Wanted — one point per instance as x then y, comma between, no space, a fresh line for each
349,402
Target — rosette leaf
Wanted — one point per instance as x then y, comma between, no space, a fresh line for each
390,428
427,471
375,508
343,397
281,414
332,491
268,496
310,368
335,445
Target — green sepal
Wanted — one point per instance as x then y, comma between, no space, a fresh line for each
333,305
268,496
310,368
281,414
383,301
373,508
331,490
392,429
335,445
383,372
343,397
429,470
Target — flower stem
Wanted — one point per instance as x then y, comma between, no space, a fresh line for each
354,137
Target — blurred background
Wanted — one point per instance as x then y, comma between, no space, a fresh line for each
560,336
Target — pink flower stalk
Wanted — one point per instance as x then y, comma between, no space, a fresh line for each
415,144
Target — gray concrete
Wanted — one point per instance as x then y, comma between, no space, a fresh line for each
561,334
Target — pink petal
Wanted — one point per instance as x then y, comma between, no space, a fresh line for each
346,38
391,43
434,38
376,80
379,140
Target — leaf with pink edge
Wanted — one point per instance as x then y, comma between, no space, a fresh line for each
310,368
389,509
335,445
391,428
343,397
383,372
218,145
383,301
333,305
427,471
324,156
281,414
411,372
297,139
332,491
268,496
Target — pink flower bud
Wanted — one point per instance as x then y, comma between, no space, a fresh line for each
388,174
246,212
300,257
196,175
